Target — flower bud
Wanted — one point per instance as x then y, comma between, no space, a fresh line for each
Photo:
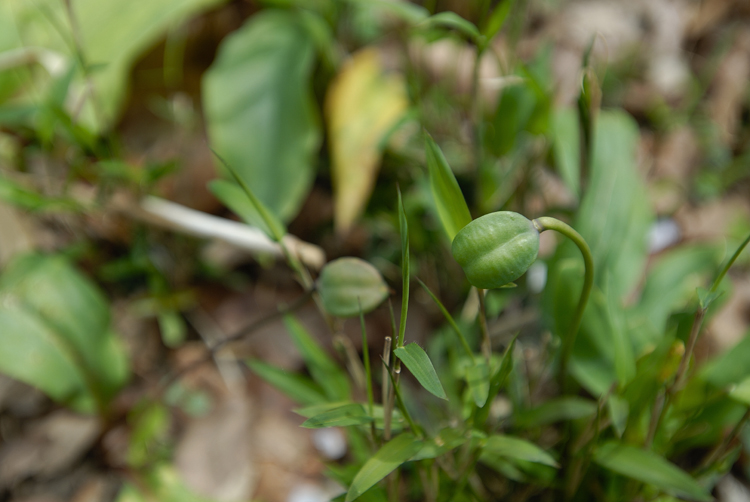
496,248
347,285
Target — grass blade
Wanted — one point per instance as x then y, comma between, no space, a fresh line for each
386,460
517,449
418,362
648,467
449,201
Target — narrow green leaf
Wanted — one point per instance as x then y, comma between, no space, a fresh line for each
322,367
506,366
648,467
266,220
377,413
418,362
299,388
317,409
406,11
260,112
517,449
449,201
497,382
618,412
449,318
478,379
235,198
348,284
343,416
556,410
497,19
456,22
566,145
706,297
389,457
403,227
512,114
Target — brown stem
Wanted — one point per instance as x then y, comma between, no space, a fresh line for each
242,333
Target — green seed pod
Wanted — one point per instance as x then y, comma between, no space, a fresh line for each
496,249
347,283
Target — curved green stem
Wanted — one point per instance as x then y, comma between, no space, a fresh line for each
548,223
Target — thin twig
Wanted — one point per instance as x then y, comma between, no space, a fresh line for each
239,335
718,452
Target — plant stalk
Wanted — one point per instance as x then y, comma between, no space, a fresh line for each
486,343
548,223
386,390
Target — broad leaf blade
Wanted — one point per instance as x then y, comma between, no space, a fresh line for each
517,449
418,362
363,104
342,416
322,367
54,333
389,457
299,388
113,36
648,467
449,201
260,114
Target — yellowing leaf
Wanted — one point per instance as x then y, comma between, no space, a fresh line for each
362,106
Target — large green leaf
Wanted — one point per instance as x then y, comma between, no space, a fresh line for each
322,367
615,215
517,449
648,467
112,34
389,457
449,201
418,362
55,333
614,218
259,111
